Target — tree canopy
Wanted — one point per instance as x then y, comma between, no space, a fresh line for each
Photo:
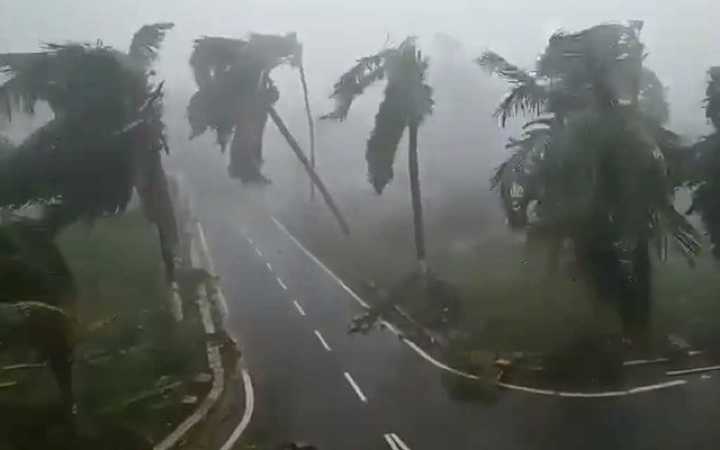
594,162
234,91
104,140
407,100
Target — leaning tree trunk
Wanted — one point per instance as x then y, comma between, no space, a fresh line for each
416,199
636,307
152,187
292,142
311,125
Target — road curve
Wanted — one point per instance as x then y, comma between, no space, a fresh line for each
314,382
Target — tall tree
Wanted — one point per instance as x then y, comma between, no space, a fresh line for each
407,101
106,132
104,140
236,95
705,166
594,166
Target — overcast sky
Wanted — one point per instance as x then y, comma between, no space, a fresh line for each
683,36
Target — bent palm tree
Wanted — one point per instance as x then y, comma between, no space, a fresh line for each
407,101
236,95
103,141
120,150
596,167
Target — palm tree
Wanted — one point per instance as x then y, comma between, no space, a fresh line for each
705,166
104,140
407,101
594,166
236,95
107,132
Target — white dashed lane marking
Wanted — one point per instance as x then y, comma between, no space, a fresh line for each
322,341
391,442
399,442
280,282
269,267
299,308
355,387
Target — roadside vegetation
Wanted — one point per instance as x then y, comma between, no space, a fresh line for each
136,370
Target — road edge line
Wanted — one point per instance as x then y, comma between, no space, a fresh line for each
422,353
245,374
215,363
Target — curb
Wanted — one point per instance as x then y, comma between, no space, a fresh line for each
423,354
216,366
213,309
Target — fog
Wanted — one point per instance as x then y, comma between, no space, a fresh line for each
460,143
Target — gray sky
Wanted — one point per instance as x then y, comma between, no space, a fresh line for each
682,36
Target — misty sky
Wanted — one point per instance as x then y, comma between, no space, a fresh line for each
682,36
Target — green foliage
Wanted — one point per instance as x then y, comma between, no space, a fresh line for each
528,95
146,43
594,168
407,100
83,84
705,167
353,83
712,99
234,92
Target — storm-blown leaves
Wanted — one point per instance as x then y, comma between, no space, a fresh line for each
57,162
390,123
407,100
712,97
598,168
705,167
105,139
233,95
353,83
146,42
527,96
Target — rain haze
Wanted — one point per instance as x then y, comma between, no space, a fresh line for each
510,240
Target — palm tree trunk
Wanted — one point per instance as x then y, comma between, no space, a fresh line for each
151,185
246,147
292,142
416,199
637,316
311,125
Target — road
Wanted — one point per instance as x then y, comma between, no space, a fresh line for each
315,382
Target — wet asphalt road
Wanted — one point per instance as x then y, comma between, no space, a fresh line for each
314,382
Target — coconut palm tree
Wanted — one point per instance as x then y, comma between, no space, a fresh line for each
594,165
236,95
104,140
407,101
106,132
703,169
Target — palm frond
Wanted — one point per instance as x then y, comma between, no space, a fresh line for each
228,73
652,97
685,237
146,43
25,84
527,96
390,123
712,97
516,178
212,56
408,100
353,83
84,84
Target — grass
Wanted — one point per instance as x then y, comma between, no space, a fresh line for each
508,302
128,346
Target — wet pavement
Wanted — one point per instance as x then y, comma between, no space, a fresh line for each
315,382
